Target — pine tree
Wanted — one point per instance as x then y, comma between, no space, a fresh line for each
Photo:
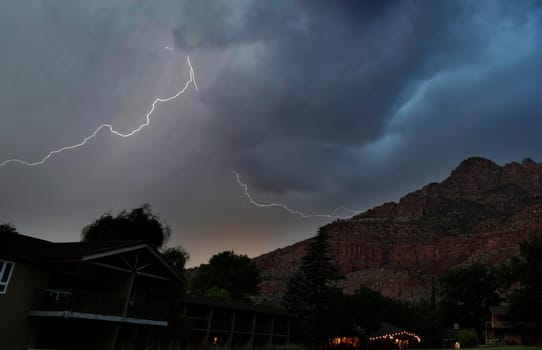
310,290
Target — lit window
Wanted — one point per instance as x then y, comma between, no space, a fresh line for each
6,268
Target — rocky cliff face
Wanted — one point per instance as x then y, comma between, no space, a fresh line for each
479,213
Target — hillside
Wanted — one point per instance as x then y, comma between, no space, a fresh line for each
480,212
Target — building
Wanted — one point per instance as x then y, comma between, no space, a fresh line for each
502,330
83,295
225,324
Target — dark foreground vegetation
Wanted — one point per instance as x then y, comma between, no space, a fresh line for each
461,297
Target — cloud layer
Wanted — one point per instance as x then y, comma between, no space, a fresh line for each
316,104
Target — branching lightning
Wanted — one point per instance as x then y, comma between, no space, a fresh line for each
332,215
191,80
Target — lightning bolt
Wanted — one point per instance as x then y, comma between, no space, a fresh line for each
332,215
191,80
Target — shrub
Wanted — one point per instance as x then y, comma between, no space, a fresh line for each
468,338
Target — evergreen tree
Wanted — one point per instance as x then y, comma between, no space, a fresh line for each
310,291
296,301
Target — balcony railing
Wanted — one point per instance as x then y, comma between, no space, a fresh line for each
509,324
91,302
502,324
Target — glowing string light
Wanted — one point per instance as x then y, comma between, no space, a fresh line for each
332,215
191,80
396,334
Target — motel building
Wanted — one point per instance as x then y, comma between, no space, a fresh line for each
116,295
83,295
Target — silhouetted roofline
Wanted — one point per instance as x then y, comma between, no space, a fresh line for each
234,305
22,247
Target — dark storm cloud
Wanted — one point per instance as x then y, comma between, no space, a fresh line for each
310,81
56,54
316,104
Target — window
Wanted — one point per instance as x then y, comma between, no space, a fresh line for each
6,268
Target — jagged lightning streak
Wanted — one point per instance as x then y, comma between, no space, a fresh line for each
191,80
332,215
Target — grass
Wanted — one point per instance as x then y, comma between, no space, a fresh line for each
511,347
501,347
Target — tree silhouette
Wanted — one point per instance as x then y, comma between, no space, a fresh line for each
236,274
526,301
177,257
138,224
467,293
310,293
7,228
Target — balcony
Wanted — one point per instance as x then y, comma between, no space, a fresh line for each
502,324
514,325
98,306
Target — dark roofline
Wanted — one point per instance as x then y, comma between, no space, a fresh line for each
131,246
18,246
84,251
233,305
15,245
166,263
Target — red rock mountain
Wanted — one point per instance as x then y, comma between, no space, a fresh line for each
481,212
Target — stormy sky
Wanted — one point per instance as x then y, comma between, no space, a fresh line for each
317,104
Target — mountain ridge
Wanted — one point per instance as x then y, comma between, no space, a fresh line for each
480,212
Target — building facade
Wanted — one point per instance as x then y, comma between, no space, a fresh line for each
503,330
217,323
83,295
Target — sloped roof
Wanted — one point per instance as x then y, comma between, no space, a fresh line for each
30,248
81,250
17,245
20,247
234,305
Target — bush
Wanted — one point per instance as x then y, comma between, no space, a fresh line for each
468,338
